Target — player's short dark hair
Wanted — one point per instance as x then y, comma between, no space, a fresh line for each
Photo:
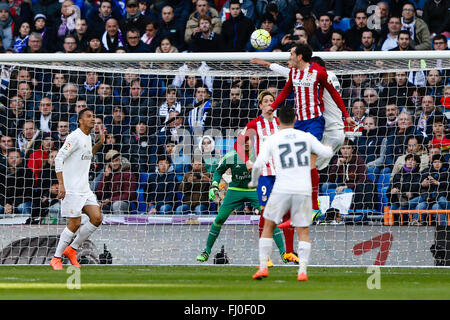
82,111
319,61
286,114
305,50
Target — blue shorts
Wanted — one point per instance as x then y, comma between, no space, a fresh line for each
264,189
315,126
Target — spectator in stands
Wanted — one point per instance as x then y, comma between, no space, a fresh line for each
34,44
81,34
390,40
15,117
28,138
117,188
21,36
210,157
68,98
45,117
426,115
397,141
193,27
6,25
354,34
194,187
338,42
369,143
42,29
436,16
6,143
248,8
73,119
358,113
373,101
440,42
59,80
170,131
236,30
382,15
161,187
268,24
16,185
354,87
112,38
348,171
29,96
139,105
204,39
445,100
298,36
104,101
91,83
171,103
434,84
166,46
414,146
151,35
50,8
134,42
440,136
405,185
400,89
322,37
134,19
233,113
420,34
97,17
181,162
95,44
70,44
119,124
62,131
199,114
37,158
140,145
403,41
170,28
434,192
45,197
65,23
368,41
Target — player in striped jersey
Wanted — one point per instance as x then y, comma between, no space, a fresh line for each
308,80
258,130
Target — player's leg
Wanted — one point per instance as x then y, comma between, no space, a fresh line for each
277,205
233,199
302,219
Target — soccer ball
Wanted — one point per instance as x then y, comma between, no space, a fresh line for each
260,39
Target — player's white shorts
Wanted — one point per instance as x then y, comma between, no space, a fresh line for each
72,204
299,205
333,138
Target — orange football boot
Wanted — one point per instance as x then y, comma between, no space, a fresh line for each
302,277
261,273
56,263
71,253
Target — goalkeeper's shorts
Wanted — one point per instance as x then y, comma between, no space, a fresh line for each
72,204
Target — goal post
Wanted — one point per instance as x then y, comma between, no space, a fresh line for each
152,107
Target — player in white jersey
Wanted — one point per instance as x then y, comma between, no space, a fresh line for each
291,151
72,164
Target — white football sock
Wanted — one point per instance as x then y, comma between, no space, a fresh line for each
85,232
304,249
64,240
265,248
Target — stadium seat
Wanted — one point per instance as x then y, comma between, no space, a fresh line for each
141,203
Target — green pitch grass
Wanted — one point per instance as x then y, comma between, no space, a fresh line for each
219,283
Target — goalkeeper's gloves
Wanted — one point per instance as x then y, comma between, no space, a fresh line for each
213,190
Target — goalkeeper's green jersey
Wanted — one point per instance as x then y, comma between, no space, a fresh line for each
240,175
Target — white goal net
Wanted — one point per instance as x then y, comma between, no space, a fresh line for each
171,118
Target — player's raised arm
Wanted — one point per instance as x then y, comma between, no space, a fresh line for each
275,67
284,93
320,149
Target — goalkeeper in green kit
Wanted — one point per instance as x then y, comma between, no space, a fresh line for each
237,194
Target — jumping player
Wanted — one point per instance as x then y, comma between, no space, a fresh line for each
290,150
309,80
258,130
72,165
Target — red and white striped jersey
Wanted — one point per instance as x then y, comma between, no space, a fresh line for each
259,129
308,86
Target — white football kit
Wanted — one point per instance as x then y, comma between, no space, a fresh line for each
74,161
334,134
291,151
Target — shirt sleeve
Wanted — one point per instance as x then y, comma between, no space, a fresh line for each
318,148
69,146
284,93
323,78
275,67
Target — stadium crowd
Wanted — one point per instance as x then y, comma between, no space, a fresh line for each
398,154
